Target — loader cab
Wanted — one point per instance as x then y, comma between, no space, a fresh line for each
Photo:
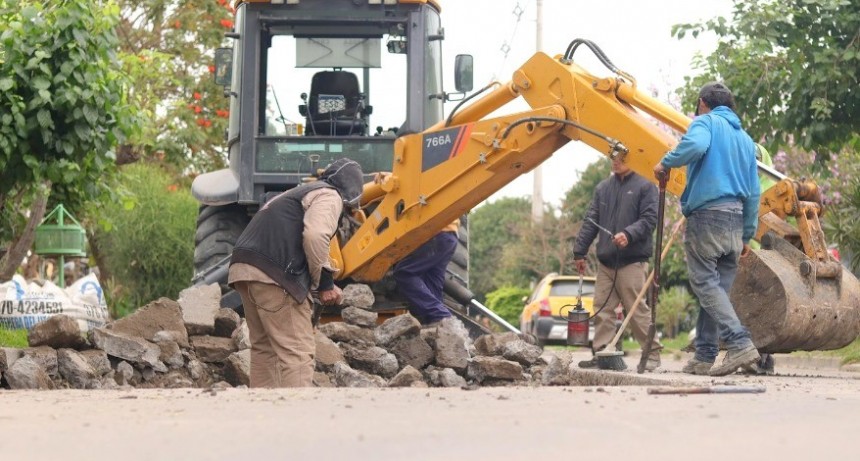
314,81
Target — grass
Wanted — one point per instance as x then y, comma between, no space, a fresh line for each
13,338
848,354
670,345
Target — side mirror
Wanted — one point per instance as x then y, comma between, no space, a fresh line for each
223,66
396,46
463,70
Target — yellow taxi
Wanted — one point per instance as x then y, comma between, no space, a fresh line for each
545,311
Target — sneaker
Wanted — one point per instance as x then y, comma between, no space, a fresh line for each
734,360
592,363
697,367
653,362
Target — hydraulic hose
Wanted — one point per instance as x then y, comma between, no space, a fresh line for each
571,49
615,145
467,99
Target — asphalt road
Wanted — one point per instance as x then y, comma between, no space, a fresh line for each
797,418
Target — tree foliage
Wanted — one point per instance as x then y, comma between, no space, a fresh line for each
62,107
491,229
61,97
674,307
169,48
148,251
794,67
539,249
578,198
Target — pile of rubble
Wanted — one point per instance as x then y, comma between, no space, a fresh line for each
193,343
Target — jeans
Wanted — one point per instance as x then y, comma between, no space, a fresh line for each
713,243
420,277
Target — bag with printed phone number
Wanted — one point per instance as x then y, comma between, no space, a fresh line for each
23,304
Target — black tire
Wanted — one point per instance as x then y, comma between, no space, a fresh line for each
218,229
539,342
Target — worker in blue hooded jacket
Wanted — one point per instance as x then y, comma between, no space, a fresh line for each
720,202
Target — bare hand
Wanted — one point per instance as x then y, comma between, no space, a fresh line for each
659,168
620,240
580,265
745,251
330,297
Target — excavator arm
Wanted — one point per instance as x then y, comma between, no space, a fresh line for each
450,168
445,171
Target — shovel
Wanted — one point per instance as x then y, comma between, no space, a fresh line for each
663,178
610,358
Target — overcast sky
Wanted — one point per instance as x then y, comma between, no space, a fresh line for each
634,34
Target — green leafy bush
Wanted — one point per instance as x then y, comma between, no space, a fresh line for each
507,303
148,250
673,306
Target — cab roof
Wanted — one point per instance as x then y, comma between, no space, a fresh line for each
433,3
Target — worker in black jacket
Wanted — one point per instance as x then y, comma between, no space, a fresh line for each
622,215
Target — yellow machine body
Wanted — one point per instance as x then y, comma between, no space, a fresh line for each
791,293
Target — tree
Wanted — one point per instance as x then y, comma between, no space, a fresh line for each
578,198
169,46
491,229
539,249
62,111
794,67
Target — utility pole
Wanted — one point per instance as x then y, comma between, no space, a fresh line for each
537,177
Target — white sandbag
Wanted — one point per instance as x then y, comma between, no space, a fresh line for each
23,304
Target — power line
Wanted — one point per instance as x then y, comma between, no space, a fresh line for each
518,11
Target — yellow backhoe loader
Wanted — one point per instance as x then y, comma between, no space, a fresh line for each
791,293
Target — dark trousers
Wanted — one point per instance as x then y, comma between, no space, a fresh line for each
421,275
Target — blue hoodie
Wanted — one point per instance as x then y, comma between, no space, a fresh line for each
721,166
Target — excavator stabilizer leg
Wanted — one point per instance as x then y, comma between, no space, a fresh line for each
788,304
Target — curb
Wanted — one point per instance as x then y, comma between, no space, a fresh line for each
808,363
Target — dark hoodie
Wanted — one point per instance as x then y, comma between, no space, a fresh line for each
273,240
346,176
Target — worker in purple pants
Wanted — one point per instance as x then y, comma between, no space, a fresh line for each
421,275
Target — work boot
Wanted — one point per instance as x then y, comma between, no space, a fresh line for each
653,362
764,367
697,367
592,363
734,360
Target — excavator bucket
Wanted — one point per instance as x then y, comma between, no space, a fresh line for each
788,304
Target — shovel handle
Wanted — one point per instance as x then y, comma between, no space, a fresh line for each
645,286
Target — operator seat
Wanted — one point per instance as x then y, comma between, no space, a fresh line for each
335,106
